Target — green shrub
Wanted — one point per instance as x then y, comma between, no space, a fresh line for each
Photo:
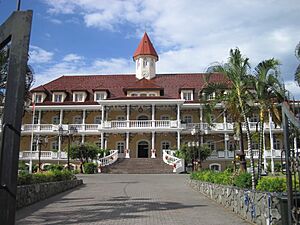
213,177
53,167
243,180
272,184
50,176
90,168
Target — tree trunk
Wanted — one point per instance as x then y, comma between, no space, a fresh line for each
249,140
261,144
243,163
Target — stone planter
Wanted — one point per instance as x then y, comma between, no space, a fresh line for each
29,194
257,207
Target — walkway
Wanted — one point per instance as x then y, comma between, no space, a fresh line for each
119,199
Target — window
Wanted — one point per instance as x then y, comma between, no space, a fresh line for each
210,96
55,120
121,118
151,94
121,146
134,94
254,118
187,119
277,144
211,145
78,97
164,117
54,146
36,119
165,145
255,145
38,98
143,94
77,120
215,167
34,147
97,120
58,98
187,95
100,95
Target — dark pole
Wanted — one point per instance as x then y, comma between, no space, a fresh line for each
38,142
69,152
242,155
18,5
17,30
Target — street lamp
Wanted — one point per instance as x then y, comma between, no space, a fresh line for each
38,141
70,132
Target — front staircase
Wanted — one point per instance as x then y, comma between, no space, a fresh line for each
139,166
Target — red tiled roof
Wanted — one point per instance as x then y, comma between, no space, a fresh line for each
171,84
145,47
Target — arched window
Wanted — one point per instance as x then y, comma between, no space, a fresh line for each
143,117
215,167
187,119
120,146
77,120
211,145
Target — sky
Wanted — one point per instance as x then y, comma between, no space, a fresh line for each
100,36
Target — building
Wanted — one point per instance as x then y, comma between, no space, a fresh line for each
139,114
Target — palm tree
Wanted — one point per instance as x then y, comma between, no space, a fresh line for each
236,70
228,101
268,92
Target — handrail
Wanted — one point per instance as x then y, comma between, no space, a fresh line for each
110,159
170,159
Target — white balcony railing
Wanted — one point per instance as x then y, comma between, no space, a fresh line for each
26,155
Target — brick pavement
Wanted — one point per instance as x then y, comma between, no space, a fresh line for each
129,199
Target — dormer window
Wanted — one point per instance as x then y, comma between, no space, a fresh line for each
79,96
187,95
100,95
58,97
38,97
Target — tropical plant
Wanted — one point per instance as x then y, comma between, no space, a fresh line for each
237,71
268,92
84,153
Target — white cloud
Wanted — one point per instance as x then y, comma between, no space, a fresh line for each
55,21
72,57
189,35
76,64
293,88
38,55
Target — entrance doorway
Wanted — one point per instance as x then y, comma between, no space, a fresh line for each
143,149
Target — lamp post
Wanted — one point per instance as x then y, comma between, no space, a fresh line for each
38,141
70,132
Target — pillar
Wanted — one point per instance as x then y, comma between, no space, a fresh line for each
153,150
127,155
271,142
178,139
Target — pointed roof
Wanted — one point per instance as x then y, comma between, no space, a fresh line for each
145,48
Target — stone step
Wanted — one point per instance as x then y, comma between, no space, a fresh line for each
139,166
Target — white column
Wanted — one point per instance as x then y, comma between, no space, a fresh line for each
128,117
153,150
127,155
271,143
226,138
82,138
178,116
295,144
225,120
102,140
61,115
83,118
201,119
39,119
153,116
265,154
102,114
178,139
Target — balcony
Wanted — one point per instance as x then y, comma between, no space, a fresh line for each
45,155
230,154
107,125
226,126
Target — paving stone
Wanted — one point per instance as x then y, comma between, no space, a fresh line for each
129,199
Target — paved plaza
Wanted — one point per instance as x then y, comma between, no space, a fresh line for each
119,199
